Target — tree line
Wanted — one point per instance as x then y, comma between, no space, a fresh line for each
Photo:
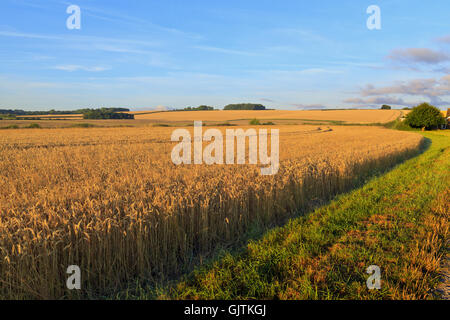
19,112
245,106
237,106
106,113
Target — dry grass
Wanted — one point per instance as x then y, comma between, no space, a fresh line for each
111,201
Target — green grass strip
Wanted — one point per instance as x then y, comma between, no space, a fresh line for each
397,221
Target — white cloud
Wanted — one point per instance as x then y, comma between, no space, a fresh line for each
225,51
14,34
85,39
73,67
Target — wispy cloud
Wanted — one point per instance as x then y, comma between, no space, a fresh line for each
444,39
72,68
436,90
31,4
302,34
427,87
225,51
90,39
418,55
123,47
29,35
309,106
105,13
376,101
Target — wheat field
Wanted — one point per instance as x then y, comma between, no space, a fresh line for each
216,117
54,116
351,116
111,201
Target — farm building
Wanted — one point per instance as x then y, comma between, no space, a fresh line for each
447,116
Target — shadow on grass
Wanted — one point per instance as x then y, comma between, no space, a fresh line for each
151,290
256,232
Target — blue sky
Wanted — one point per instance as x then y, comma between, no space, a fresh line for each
283,54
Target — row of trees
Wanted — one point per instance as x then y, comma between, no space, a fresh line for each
245,106
199,108
19,112
106,113
237,106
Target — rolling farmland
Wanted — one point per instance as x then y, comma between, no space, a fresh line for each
245,152
350,116
214,117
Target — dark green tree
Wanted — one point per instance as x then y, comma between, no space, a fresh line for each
425,116
386,107
204,108
106,113
245,106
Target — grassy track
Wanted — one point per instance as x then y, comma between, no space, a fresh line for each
398,221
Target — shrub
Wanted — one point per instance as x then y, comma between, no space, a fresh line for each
7,116
255,122
34,126
386,107
401,125
12,126
83,125
425,116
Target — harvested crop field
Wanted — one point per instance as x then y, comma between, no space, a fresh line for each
111,201
350,116
215,117
54,116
